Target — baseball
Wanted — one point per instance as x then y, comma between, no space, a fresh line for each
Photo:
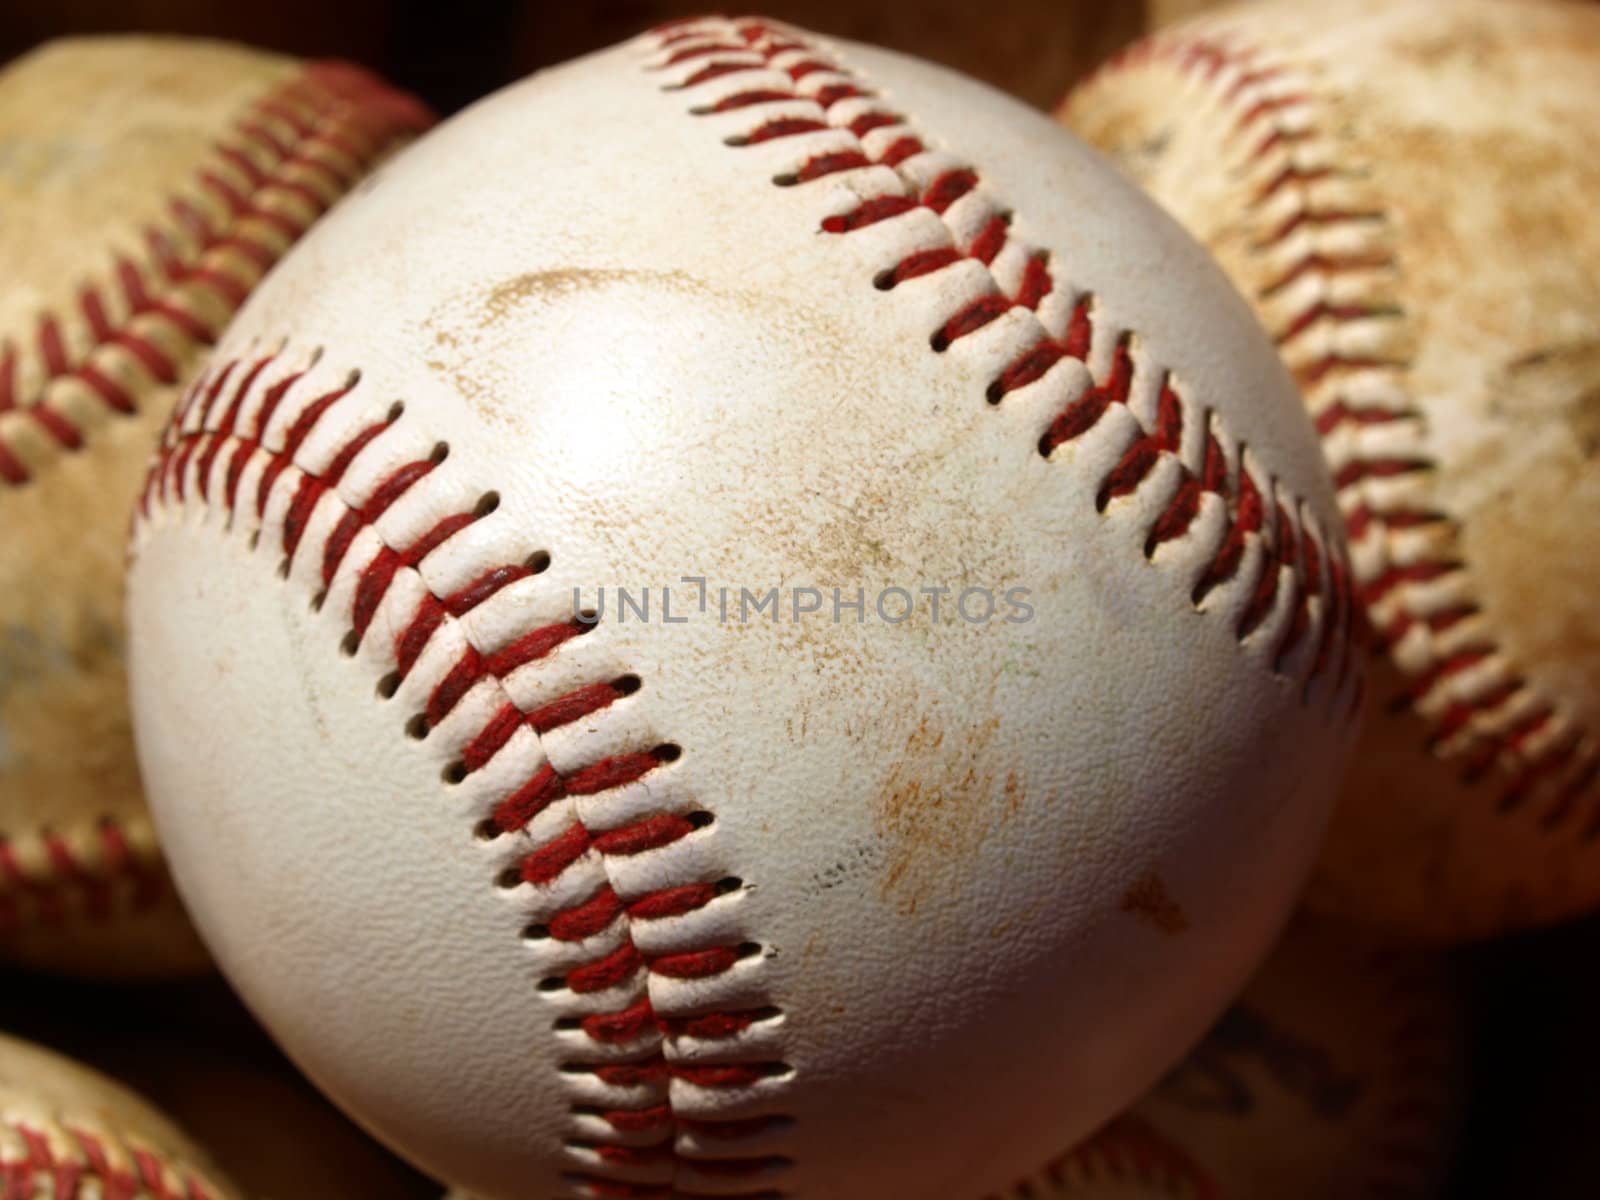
67,1131
746,618
147,184
1405,192
1336,1075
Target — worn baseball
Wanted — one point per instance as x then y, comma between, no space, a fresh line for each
68,1132
1405,191
1337,1075
146,185
537,666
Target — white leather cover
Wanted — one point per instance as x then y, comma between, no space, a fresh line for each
882,909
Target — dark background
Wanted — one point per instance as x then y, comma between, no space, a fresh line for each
450,54
1534,1110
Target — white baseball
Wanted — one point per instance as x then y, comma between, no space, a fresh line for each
1405,191
775,903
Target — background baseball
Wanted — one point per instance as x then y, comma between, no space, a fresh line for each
67,1130
1338,1074
1402,190
147,184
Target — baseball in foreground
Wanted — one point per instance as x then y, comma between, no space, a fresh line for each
1335,1076
536,662
67,1131
1406,192
146,185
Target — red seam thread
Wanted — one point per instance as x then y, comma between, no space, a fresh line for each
1278,537
194,452
1568,769
1129,1149
353,112
71,887
67,1179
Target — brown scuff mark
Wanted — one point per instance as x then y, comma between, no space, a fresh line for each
937,807
507,296
1148,899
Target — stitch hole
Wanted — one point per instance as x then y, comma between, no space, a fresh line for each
627,685
439,453
539,563
884,280
389,685
568,1025
1044,445
748,950
283,567
700,819
353,378
728,884
318,600
736,140
486,830
349,644
509,878
417,727
487,503
255,539
940,341
553,983
588,618
669,752
456,772
535,932
787,179
396,410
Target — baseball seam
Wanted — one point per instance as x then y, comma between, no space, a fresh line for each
680,1093
796,91
95,870
295,151
1329,299
1127,1149
258,449
57,1160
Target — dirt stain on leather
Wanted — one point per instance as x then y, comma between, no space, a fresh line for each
1148,899
937,807
507,296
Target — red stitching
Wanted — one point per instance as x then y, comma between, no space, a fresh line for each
1129,1149
111,880
198,436
196,448
1567,768
328,108
1239,495
67,1179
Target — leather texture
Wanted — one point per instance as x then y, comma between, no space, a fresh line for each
972,885
1402,190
